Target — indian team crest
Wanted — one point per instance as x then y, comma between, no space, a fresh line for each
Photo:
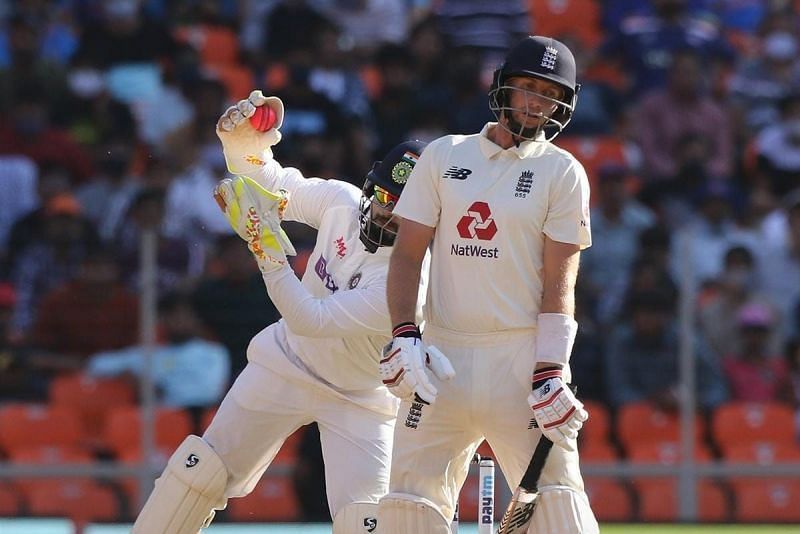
402,169
354,280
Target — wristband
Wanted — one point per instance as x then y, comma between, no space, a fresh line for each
407,329
555,337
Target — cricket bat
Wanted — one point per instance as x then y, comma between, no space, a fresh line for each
519,513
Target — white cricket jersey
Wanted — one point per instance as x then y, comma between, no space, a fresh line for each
491,208
336,319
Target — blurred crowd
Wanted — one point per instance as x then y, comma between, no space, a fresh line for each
688,123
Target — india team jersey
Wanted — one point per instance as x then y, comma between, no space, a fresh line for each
338,321
491,209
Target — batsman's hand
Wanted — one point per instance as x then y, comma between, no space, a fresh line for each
255,215
403,364
558,413
248,130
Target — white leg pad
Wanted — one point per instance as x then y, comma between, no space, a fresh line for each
562,510
356,517
402,513
187,492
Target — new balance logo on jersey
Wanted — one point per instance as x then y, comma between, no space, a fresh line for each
524,183
477,223
457,173
549,58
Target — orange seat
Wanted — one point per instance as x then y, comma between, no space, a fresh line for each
24,425
767,500
9,501
273,499
48,456
597,452
123,428
598,427
761,452
665,452
206,417
658,500
80,501
561,18
741,422
609,498
92,397
641,422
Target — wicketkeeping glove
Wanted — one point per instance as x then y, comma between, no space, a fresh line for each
558,413
402,367
255,214
246,147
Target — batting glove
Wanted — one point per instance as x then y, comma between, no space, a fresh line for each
403,365
255,215
556,410
248,146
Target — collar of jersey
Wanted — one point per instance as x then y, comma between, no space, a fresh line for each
524,150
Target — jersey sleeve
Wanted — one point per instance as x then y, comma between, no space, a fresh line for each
309,198
420,199
352,313
568,212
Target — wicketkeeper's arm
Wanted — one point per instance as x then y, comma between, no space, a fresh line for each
357,312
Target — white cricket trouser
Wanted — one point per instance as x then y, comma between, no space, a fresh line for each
266,404
487,398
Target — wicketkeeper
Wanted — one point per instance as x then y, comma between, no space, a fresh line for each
320,362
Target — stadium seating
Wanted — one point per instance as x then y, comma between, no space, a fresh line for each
93,398
774,501
610,499
567,18
739,422
30,425
81,501
9,500
273,499
658,500
641,422
597,428
123,428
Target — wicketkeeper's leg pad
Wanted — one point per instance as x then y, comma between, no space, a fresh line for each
402,513
563,510
356,517
187,492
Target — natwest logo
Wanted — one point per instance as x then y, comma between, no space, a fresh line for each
477,223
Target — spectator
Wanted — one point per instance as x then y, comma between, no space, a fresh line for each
778,148
368,23
188,371
644,43
780,267
146,212
700,246
760,83
91,313
617,222
106,198
51,260
231,300
683,108
642,358
26,130
754,373
735,288
792,356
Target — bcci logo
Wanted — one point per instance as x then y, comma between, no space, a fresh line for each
549,58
